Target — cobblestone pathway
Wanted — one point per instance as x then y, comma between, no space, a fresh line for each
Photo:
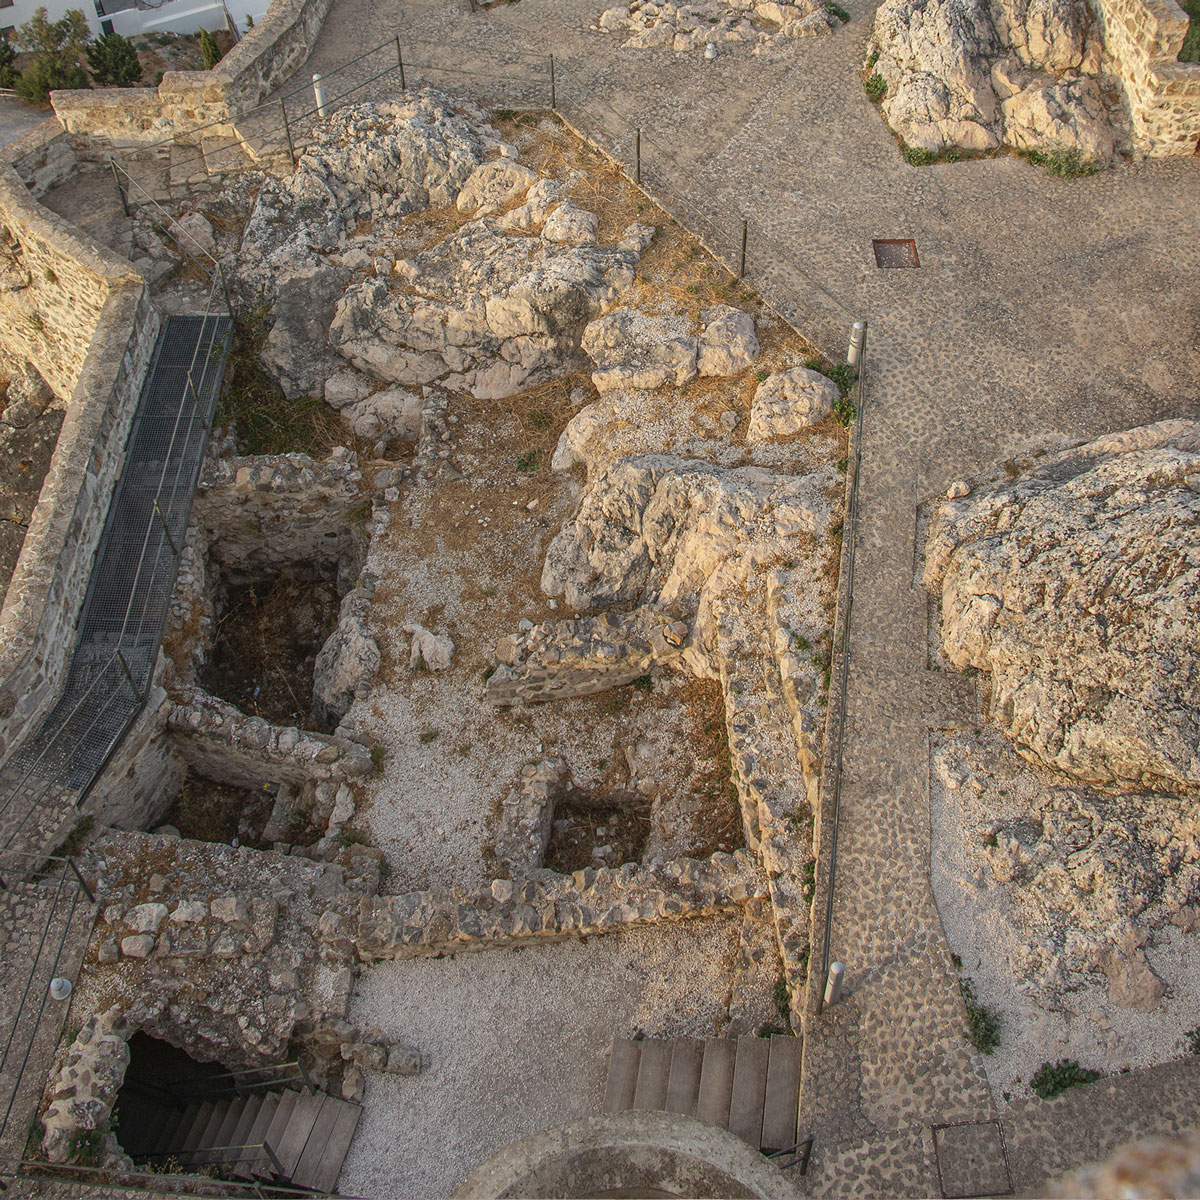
1044,310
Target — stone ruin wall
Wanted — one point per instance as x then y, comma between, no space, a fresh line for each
186,100
1144,38
92,340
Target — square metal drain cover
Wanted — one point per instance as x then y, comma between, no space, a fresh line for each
972,1160
895,252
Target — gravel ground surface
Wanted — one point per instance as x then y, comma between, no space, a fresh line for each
985,932
518,1041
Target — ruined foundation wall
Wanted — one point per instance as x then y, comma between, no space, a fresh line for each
1144,38
187,100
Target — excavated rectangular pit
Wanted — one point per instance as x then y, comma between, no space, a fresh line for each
895,252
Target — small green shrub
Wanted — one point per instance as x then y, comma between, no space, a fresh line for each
427,736
1052,1079
1190,50
760,374
1193,1040
528,462
876,87
1067,164
918,156
983,1021
844,411
8,70
643,683
783,999
540,419
353,837
836,10
842,465
872,59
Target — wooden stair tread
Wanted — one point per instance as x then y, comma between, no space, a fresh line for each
256,1135
653,1072
279,1122
297,1128
239,1135
781,1108
321,1173
622,1075
233,1114
683,1085
749,1089
167,1135
199,1120
716,1082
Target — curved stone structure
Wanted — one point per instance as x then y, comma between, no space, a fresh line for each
628,1154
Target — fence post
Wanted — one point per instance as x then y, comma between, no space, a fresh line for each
319,95
745,233
400,63
854,350
553,97
637,156
117,180
833,984
287,131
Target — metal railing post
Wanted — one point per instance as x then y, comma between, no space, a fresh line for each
112,162
400,63
287,130
553,96
637,156
319,95
745,235
87,891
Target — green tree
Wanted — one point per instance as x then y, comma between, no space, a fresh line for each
208,50
58,48
8,54
114,61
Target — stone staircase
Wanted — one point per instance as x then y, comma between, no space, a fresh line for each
748,1085
286,1137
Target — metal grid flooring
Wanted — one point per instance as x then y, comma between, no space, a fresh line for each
129,593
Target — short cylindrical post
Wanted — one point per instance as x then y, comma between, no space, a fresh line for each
833,983
745,234
637,155
854,350
287,131
319,95
120,190
400,63
553,97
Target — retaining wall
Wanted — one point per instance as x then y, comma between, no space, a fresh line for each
186,100
1144,38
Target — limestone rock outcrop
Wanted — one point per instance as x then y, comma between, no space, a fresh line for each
487,313
975,74
654,528
369,163
1076,586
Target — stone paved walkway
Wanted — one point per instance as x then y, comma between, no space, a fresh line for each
1044,310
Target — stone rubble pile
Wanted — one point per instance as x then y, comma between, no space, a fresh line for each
768,24
978,74
1075,586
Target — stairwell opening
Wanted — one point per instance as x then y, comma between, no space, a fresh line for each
158,1081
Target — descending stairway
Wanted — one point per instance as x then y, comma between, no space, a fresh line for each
284,1136
748,1085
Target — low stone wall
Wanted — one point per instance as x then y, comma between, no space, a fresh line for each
545,907
228,747
586,655
1144,38
187,100
42,604
258,515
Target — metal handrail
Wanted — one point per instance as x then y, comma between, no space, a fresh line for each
801,1152
149,1182
198,1087
222,1156
849,547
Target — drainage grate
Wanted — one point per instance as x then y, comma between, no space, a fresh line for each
972,1159
895,252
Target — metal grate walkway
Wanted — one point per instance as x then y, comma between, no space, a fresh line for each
129,593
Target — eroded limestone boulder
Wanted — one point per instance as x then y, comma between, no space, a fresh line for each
1076,586
789,401
634,350
347,662
728,342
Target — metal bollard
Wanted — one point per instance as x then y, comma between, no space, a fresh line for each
854,350
319,94
833,983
